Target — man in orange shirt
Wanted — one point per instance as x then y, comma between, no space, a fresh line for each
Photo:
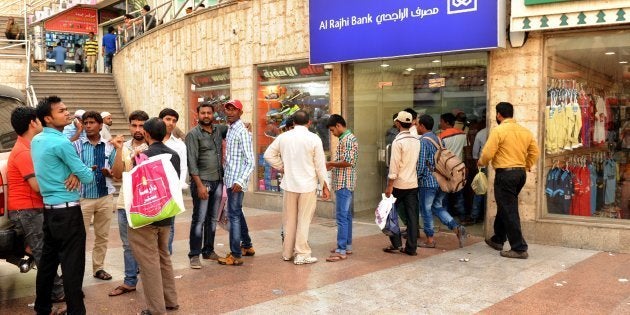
25,204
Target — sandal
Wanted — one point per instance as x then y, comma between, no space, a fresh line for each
121,290
427,245
391,249
103,275
336,257
62,310
334,250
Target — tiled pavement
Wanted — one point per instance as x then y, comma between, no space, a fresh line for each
553,280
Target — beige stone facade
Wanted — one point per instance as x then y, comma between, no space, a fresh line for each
150,74
13,72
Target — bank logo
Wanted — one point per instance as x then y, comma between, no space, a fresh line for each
461,6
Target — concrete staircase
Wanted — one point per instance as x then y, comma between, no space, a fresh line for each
84,91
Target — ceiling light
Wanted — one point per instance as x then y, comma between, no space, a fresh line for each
409,69
482,80
432,73
436,61
384,65
463,78
609,53
623,62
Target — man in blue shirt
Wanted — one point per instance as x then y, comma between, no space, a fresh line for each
57,168
109,48
60,58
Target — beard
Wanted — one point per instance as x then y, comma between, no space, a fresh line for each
205,123
138,136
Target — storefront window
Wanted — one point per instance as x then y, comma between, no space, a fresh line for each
431,85
587,125
211,87
283,90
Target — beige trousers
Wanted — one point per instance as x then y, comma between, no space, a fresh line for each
297,213
150,248
91,63
102,210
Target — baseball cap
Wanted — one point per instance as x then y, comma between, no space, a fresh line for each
105,114
79,113
235,103
404,117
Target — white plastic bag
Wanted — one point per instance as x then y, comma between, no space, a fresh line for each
382,211
479,184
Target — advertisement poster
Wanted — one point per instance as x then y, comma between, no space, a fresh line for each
76,20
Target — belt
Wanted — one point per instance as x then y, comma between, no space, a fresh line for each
62,205
499,170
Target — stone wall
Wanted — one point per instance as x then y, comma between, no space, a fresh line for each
13,72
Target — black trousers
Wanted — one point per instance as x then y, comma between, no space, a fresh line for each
507,224
407,203
64,242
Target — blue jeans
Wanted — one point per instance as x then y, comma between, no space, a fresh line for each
457,201
171,236
204,218
131,265
430,201
478,206
239,233
344,220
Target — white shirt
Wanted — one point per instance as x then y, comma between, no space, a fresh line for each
456,144
179,146
300,154
105,133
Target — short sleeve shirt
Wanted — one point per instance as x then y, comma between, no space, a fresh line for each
19,170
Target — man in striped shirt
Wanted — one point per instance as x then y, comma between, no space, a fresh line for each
239,164
91,53
430,196
97,199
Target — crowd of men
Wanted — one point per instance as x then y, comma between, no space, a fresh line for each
62,169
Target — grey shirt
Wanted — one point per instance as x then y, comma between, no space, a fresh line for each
204,152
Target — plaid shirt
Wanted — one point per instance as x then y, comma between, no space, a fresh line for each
426,161
239,160
102,155
347,151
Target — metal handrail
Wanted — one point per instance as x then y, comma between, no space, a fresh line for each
31,97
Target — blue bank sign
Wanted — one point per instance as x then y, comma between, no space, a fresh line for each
350,30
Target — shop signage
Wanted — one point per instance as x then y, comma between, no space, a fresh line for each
370,29
75,20
211,78
289,71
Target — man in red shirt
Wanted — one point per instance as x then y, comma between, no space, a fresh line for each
25,204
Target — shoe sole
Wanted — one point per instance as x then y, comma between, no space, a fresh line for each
195,267
226,264
493,245
304,262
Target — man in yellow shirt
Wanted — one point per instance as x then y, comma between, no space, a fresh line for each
512,150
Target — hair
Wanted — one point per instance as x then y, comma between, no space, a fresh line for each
128,16
335,119
138,115
413,113
505,109
204,104
289,123
168,112
301,117
426,121
405,125
21,118
201,5
156,128
92,33
44,107
77,45
93,114
394,116
448,118
147,8
110,29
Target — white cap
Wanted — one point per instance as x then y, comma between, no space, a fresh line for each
105,114
79,113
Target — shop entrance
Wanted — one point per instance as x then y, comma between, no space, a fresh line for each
430,85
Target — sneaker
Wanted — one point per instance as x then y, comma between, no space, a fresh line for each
286,258
26,264
195,263
211,256
248,251
514,254
461,235
304,260
230,260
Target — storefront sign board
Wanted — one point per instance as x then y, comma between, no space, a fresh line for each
75,20
532,2
351,30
